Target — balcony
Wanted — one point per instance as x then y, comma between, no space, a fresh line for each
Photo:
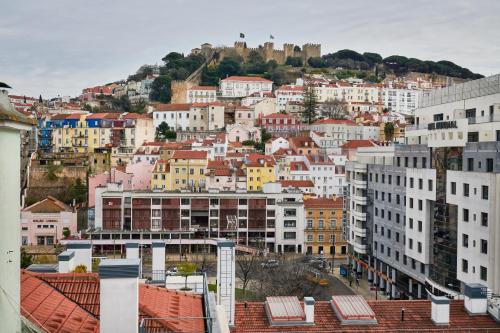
359,248
358,230
358,215
360,183
359,199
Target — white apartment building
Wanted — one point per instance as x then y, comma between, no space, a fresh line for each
340,131
401,99
344,91
242,86
175,115
286,94
201,94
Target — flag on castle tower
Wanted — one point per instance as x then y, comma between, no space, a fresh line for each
271,37
242,35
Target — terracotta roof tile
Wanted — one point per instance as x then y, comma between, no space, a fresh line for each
334,121
190,154
324,203
173,107
352,144
246,78
297,183
253,318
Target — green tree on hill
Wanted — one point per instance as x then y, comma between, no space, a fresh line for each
310,104
160,89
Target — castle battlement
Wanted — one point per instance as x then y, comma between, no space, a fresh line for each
267,51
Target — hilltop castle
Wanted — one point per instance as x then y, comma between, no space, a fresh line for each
268,52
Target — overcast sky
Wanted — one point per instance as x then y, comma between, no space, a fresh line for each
58,47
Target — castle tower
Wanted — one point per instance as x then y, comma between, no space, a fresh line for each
311,51
269,51
288,49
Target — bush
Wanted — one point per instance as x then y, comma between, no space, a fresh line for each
80,269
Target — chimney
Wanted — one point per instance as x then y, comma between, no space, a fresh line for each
66,261
440,310
132,250
158,265
309,309
83,253
119,297
226,277
475,300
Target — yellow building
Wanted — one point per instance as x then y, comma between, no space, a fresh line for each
187,169
398,134
260,169
323,233
160,177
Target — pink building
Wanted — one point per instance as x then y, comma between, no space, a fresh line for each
44,222
137,176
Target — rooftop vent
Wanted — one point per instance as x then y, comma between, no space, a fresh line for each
353,310
285,311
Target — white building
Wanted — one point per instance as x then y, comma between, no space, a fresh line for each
274,145
201,94
286,94
242,86
401,99
175,115
11,123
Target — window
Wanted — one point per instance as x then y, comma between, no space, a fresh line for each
484,192
419,247
290,224
397,237
321,224
397,217
414,162
309,238
411,182
489,165
470,164
309,224
429,184
465,240
405,259
411,202
390,179
410,221
484,219
465,214
422,268
483,273
466,190
465,266
406,162
424,162
420,204
472,137
398,180
410,245
420,183
397,255
484,246
321,238
242,202
289,235
420,226
398,159
453,188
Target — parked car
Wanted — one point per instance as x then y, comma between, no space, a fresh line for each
271,263
172,271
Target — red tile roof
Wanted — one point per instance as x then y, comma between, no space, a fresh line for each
155,302
296,183
190,154
277,116
48,205
136,116
298,166
246,78
203,88
324,203
173,107
352,144
70,303
334,121
111,115
51,310
253,318
290,88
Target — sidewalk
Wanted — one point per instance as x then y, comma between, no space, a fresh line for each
363,289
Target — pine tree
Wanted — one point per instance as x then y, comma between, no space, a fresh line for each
310,104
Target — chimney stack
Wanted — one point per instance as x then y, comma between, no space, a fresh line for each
309,309
83,253
158,265
119,297
66,261
475,300
440,310
132,250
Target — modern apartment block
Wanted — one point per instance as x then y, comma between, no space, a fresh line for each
271,219
424,214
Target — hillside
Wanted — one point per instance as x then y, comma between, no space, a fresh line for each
341,64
